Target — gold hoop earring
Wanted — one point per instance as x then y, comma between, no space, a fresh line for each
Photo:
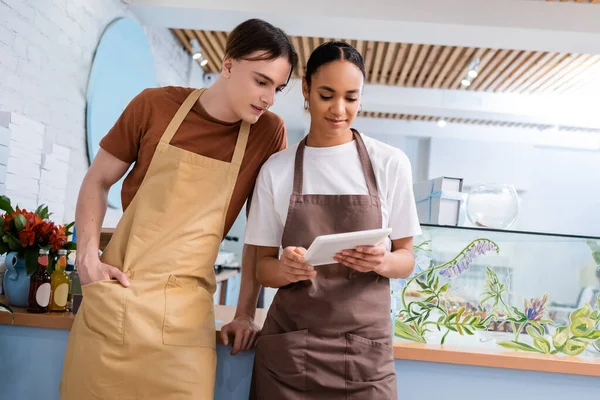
306,104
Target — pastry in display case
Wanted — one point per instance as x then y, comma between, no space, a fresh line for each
524,291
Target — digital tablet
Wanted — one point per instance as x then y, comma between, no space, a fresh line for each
325,247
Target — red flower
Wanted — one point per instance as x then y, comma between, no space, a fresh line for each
27,237
58,238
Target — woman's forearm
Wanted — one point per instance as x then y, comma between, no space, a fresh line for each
269,273
397,264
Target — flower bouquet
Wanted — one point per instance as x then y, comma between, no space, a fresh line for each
25,233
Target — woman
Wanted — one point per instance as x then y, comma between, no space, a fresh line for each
146,327
328,333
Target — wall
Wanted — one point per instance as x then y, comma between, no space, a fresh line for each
46,51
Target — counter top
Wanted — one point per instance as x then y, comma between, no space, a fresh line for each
448,354
64,321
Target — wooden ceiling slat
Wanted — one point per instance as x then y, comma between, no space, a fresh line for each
398,62
301,60
387,62
222,38
552,73
377,64
410,59
580,69
457,80
418,66
460,69
360,47
216,44
306,50
509,71
582,74
516,74
488,56
214,61
444,73
369,56
500,69
527,74
492,70
433,53
438,66
555,59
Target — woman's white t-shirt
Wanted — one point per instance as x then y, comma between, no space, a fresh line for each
332,170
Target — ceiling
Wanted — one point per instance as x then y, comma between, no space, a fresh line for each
441,67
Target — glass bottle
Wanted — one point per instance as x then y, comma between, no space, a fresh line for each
39,286
59,284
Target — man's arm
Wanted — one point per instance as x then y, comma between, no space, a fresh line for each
243,329
105,170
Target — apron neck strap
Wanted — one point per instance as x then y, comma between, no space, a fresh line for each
363,155
182,112
240,146
180,115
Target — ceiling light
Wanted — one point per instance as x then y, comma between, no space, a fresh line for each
441,122
472,74
465,82
197,52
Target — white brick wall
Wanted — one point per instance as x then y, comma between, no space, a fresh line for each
46,50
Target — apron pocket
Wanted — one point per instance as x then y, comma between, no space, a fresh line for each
103,310
189,314
281,360
368,360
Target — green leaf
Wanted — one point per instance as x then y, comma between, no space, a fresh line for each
444,288
444,337
436,284
531,331
594,335
13,243
451,317
514,345
595,315
584,311
542,344
2,222
42,211
31,259
70,246
430,278
5,205
429,299
20,222
405,331
539,327
468,331
560,337
582,326
574,346
423,285
521,316
3,247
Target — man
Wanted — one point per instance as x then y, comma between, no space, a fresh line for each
145,329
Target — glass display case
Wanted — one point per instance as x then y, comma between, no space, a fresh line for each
523,291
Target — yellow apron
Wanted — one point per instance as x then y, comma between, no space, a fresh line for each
156,339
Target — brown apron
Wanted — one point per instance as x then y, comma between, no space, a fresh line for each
156,339
329,337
